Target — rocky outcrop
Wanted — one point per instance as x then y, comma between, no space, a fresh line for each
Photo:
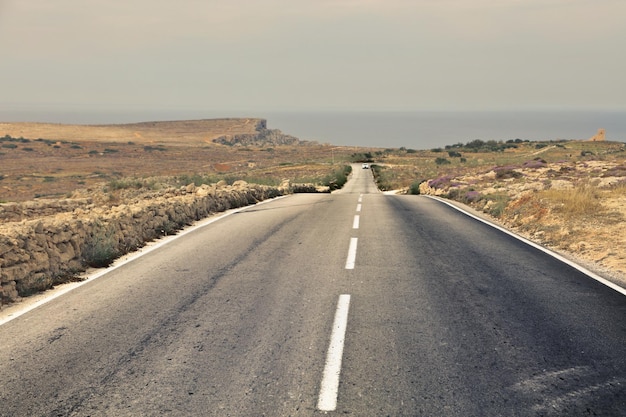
263,138
37,254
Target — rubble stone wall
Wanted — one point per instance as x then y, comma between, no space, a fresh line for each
37,254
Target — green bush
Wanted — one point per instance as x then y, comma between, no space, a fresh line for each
383,177
500,201
338,178
100,249
414,189
125,184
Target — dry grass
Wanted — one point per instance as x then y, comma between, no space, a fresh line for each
566,194
570,196
582,200
54,161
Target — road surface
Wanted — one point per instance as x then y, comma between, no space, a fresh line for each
351,303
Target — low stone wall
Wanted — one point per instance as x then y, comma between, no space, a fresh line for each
37,254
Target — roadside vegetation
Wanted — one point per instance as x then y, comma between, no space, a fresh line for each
553,191
568,195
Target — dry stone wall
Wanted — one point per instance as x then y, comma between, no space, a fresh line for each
37,254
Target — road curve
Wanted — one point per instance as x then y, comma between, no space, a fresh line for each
416,309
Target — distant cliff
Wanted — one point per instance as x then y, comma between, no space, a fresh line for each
262,137
228,131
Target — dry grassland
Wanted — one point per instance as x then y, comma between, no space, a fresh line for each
54,161
567,195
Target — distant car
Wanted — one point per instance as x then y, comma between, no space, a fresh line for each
366,166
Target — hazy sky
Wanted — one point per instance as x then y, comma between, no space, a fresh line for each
313,54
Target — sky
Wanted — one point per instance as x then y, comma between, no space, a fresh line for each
312,55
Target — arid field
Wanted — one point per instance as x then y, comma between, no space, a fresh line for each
567,195
40,160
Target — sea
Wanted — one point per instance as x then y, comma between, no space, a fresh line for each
381,129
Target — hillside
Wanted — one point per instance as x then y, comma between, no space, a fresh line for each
52,160
183,132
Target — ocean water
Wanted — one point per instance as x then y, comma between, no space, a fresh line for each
426,130
414,130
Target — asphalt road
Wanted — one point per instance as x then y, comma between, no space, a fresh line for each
353,303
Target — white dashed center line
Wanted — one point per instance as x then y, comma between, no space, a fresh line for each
352,253
329,387
358,207
355,224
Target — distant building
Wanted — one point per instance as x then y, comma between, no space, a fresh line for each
599,137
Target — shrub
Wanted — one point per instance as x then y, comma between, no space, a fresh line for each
454,194
125,184
149,148
498,203
198,179
338,178
442,161
618,171
535,163
441,182
361,157
383,177
414,189
472,196
100,249
506,172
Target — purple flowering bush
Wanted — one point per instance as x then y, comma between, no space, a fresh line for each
441,182
535,163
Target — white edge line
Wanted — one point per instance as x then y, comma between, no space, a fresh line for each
561,258
352,253
329,386
127,259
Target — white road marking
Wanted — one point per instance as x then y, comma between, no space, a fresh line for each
361,198
355,224
351,253
329,387
358,207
